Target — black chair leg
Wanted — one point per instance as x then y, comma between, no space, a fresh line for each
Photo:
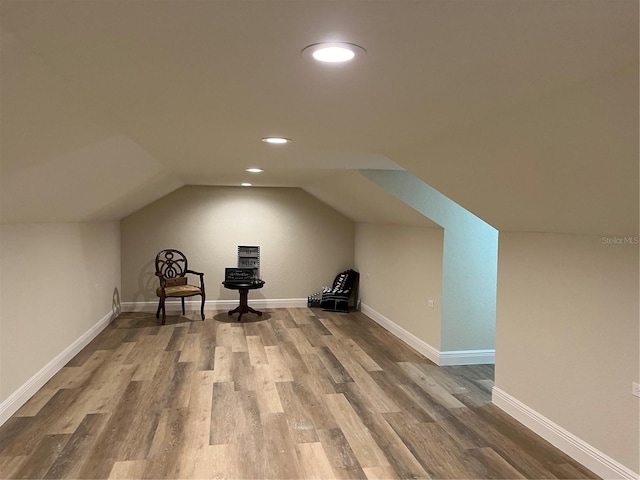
158,311
182,305
202,309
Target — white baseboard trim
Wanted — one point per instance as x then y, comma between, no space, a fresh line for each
578,449
174,306
18,398
457,357
407,337
467,357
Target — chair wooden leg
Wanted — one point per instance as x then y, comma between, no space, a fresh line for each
182,305
158,311
164,312
202,309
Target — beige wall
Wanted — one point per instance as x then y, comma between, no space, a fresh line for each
400,268
304,243
56,282
567,335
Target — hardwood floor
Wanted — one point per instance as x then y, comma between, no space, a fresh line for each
297,393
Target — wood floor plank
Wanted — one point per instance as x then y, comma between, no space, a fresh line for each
390,385
180,386
339,453
430,386
222,368
497,465
298,417
147,361
313,405
97,396
45,453
379,343
376,396
310,332
438,454
294,361
223,423
114,438
330,326
276,360
127,470
318,326
511,430
68,378
267,394
161,337
319,380
250,329
448,419
70,460
164,454
566,471
381,473
257,353
35,403
361,356
207,333
281,330
9,465
333,365
221,461
363,445
448,382
249,435
190,351
111,338
224,336
176,341
313,461
193,461
300,315
297,393
20,435
242,372
281,461
267,334
507,449
301,342
12,435
400,458
238,339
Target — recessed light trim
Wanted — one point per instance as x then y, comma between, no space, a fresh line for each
276,140
254,170
333,52
245,184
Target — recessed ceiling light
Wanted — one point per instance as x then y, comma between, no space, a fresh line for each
276,140
254,170
245,184
333,52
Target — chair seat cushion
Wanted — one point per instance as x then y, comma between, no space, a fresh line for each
179,291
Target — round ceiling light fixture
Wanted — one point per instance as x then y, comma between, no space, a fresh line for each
276,140
333,52
254,170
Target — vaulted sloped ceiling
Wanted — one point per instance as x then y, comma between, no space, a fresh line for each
525,113
61,159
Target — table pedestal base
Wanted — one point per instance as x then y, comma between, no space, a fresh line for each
244,305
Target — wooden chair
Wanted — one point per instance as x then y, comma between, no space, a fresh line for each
172,269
